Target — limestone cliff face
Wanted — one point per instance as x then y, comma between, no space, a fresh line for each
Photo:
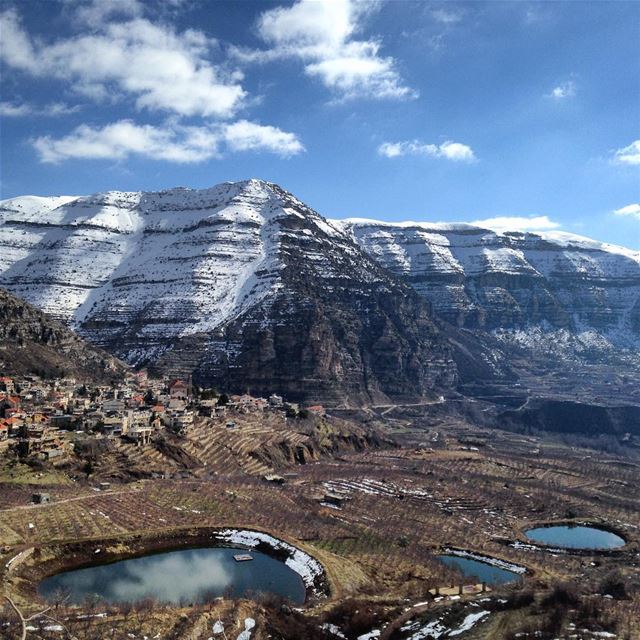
335,327
525,288
360,343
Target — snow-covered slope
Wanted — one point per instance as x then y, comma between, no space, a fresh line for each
242,273
519,285
185,258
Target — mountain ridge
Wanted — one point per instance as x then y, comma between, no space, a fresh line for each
481,278
238,269
47,203
243,282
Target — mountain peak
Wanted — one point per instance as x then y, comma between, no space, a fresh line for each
80,253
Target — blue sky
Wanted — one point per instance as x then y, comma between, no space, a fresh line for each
391,110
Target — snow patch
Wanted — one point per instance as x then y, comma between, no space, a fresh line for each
308,568
496,562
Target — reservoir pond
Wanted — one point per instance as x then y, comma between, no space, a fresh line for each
483,571
575,537
185,576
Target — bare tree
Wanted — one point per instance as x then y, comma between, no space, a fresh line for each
40,614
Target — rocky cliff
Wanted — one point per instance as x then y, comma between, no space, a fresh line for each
530,290
32,343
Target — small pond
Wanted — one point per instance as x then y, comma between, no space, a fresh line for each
484,571
179,577
575,537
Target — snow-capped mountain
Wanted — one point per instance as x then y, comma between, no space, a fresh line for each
184,258
248,288
523,287
241,283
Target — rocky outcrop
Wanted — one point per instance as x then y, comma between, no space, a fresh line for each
32,343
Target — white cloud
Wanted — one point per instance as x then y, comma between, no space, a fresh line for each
446,16
321,35
628,155
172,143
630,211
517,223
124,138
311,23
157,66
9,110
16,48
563,90
17,110
245,136
95,12
455,151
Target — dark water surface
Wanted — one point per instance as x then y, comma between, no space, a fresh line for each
483,571
575,537
184,576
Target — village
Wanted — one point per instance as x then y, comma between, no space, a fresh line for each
110,472
47,420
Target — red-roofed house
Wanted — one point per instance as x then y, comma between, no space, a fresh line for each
135,401
9,405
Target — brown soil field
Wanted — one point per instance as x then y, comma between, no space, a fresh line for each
403,504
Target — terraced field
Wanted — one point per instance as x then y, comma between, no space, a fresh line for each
257,444
403,505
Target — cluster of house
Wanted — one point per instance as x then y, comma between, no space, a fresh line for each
40,418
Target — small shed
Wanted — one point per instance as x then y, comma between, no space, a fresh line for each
41,498
334,499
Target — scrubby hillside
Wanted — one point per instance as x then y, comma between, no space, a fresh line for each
33,343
